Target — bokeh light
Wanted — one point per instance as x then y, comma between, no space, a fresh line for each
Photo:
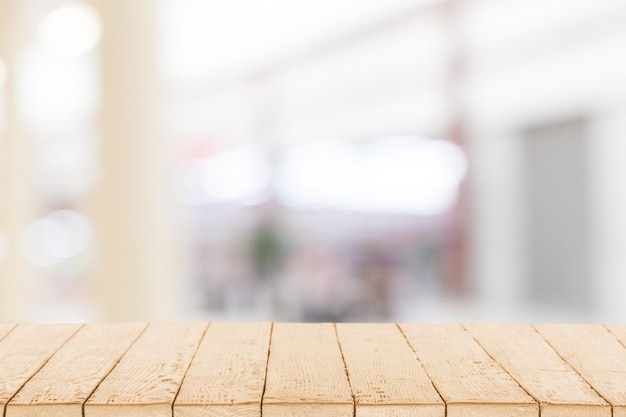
58,236
72,29
240,174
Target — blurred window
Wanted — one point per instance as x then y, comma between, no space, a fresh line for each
404,175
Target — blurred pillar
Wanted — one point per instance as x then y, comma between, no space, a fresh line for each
16,194
456,275
136,277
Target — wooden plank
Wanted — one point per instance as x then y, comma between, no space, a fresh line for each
385,376
25,350
596,354
227,375
62,386
306,374
469,381
530,360
147,378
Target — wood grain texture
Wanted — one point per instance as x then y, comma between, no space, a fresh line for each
469,381
398,410
239,410
147,378
384,374
306,374
25,350
530,360
73,373
307,410
619,331
5,329
596,354
227,375
343,370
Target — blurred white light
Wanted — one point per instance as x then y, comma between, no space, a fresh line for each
58,236
56,95
396,175
31,242
75,237
70,30
66,165
3,74
240,174
188,187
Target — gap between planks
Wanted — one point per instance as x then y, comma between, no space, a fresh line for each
581,368
345,368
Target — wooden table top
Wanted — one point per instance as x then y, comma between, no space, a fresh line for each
281,369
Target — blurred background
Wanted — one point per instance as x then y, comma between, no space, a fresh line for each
351,160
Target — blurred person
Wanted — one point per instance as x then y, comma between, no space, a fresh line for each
267,251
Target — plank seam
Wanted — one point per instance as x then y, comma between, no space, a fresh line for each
406,339
502,367
8,333
267,365
4,413
195,352
4,409
574,369
345,368
82,406
614,335
618,341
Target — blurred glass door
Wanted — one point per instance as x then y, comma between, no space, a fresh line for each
557,214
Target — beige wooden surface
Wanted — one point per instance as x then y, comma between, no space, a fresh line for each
147,378
356,370
24,351
305,368
66,381
558,388
385,376
597,355
5,329
227,375
469,381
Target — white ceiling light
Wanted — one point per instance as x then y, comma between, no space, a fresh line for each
70,30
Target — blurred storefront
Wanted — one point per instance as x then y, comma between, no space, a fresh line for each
323,161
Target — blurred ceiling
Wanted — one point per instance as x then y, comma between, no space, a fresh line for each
217,39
